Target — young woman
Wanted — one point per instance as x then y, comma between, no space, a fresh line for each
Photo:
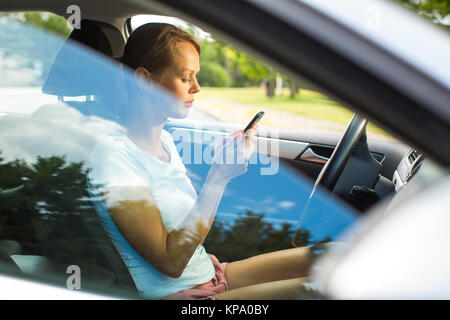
150,209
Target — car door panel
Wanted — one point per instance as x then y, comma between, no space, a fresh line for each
307,152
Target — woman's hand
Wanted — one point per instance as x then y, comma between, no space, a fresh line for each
231,155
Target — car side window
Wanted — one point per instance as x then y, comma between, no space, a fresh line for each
269,201
57,104
49,229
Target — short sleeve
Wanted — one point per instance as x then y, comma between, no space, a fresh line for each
112,164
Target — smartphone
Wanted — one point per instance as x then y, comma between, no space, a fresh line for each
254,121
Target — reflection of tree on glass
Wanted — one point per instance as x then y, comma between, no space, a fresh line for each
150,208
249,235
48,216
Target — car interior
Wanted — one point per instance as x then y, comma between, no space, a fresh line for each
361,171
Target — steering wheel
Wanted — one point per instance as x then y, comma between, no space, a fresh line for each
332,170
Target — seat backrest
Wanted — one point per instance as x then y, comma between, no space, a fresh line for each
69,75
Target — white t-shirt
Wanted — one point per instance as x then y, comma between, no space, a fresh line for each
117,161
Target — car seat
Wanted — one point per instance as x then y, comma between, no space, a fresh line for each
70,77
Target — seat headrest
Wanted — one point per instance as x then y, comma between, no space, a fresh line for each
100,36
72,73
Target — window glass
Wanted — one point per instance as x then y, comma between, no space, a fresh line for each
23,64
61,102
235,86
49,229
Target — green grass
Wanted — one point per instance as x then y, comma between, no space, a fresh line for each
308,103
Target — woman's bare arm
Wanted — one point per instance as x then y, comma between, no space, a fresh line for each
139,220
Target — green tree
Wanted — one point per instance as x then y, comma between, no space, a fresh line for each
212,74
50,215
242,70
249,71
437,11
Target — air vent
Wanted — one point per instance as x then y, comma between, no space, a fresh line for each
414,154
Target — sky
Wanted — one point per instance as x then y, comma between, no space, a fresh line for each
139,20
